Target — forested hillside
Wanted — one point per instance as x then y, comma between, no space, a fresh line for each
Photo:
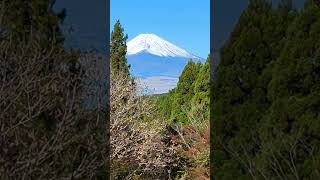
190,97
185,109
266,95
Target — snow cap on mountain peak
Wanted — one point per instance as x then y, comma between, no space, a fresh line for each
155,45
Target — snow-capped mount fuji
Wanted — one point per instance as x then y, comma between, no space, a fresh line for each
153,44
157,62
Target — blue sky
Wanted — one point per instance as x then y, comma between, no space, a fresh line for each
89,23
184,23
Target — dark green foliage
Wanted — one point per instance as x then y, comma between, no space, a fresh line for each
200,100
165,104
190,97
118,50
27,19
265,95
184,92
295,94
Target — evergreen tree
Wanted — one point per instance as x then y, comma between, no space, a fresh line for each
239,91
200,100
291,126
118,50
33,19
184,92
265,101
165,104
190,96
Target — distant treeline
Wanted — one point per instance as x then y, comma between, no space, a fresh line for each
266,95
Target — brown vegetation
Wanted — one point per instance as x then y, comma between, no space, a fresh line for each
193,146
46,130
138,149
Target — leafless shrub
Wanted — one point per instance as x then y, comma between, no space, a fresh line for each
193,145
280,159
46,129
136,133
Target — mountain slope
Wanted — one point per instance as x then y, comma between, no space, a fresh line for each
157,62
153,44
